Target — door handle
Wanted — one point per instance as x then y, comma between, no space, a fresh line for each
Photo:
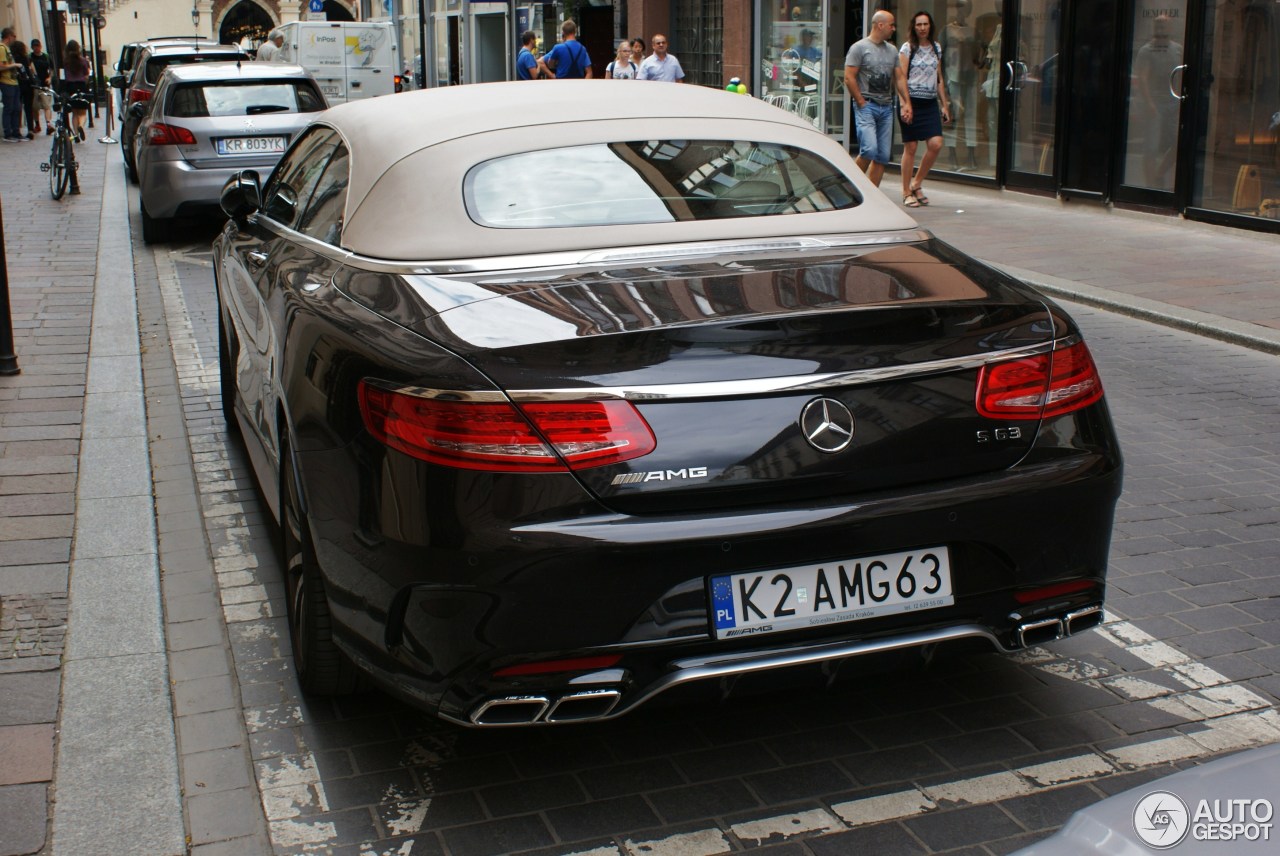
1172,91
1012,77
255,258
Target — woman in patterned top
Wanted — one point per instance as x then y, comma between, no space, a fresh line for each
920,66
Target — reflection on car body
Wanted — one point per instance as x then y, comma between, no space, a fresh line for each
548,414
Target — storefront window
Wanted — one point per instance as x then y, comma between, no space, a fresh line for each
1155,80
969,34
1238,145
794,60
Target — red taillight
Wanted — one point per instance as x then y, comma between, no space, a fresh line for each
496,436
551,667
1058,590
139,95
1041,386
170,135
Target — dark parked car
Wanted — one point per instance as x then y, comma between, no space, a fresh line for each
129,53
149,63
659,389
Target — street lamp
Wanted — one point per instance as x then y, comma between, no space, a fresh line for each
195,15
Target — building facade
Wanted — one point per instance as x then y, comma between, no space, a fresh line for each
1168,105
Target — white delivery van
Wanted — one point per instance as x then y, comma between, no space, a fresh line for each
350,60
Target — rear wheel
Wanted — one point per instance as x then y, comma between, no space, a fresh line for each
322,668
59,166
154,229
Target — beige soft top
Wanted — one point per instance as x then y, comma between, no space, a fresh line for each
411,151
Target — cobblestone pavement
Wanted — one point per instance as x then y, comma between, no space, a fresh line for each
967,754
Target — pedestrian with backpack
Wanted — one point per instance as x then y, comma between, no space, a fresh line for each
567,60
622,68
920,89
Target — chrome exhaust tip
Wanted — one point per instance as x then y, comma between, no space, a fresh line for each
511,710
584,706
1038,632
1082,619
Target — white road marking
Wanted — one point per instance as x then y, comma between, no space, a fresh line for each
884,807
1067,770
704,842
787,825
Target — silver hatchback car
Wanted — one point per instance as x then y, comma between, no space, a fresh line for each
210,120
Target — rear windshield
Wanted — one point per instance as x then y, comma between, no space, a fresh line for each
157,64
653,181
199,100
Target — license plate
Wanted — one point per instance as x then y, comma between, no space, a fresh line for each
250,145
833,592
330,90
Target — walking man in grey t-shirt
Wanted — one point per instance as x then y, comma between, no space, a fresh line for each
869,70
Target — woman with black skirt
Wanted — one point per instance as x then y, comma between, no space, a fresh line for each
920,115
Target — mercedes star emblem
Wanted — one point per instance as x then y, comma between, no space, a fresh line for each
827,425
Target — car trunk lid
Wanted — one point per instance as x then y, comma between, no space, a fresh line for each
767,379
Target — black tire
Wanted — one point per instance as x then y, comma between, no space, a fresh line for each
321,666
59,166
226,375
154,229
130,172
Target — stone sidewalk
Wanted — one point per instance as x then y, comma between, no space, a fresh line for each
80,615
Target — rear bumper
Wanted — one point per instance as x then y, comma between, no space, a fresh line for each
170,188
435,610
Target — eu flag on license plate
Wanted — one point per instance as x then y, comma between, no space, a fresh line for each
722,603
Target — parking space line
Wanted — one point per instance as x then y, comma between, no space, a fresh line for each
704,842
783,826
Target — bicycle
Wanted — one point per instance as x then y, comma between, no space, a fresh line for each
62,165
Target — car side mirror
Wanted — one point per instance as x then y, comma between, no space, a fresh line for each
117,81
242,194
137,109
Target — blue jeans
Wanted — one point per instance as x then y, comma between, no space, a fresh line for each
875,131
12,109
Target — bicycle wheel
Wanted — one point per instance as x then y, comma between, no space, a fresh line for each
59,166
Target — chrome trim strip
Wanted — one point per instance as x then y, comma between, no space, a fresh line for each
314,245
491,396
731,388
640,255
730,664
794,383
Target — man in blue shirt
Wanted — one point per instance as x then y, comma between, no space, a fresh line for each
526,63
569,58
661,65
